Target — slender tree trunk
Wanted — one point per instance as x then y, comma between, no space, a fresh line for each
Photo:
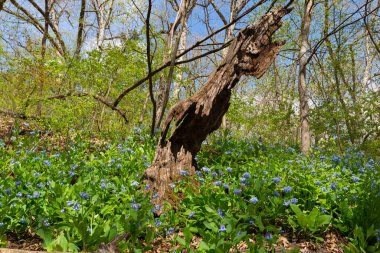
80,28
43,53
302,87
182,15
251,53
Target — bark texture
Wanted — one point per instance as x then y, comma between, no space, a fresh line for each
302,87
251,53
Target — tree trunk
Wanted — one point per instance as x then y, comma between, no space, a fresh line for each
251,53
302,88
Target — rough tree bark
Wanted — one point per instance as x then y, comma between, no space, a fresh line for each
302,87
251,53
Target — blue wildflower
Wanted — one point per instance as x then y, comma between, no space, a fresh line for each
335,159
1,224
8,191
334,186
276,194
287,189
252,221
268,236
222,228
158,223
317,182
214,174
17,183
136,206
246,175
254,200
19,194
220,212
276,180
172,185
229,169
36,195
84,195
355,179
47,162
45,223
323,210
206,170
293,201
155,195
184,173
134,183
191,214
226,186
218,183
169,231
238,191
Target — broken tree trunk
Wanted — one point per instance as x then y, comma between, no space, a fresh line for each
251,53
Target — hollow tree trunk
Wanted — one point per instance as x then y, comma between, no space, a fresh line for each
251,53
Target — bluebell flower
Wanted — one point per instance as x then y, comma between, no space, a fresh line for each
220,212
322,158
335,159
276,180
156,208
206,170
323,210
8,191
317,182
172,185
254,200
36,174
226,186
276,194
36,195
63,210
293,201
355,179
169,231
19,194
134,183
218,183
136,206
229,169
334,186
199,174
158,223
222,228
84,195
214,174
47,162
184,173
268,236
191,214
17,183
287,189
1,224
76,206
155,195
45,223
147,187
238,191
246,175
252,221
22,220
313,173
242,179
238,233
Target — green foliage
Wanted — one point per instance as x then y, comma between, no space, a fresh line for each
76,196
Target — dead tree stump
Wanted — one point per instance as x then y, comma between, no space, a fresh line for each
250,53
